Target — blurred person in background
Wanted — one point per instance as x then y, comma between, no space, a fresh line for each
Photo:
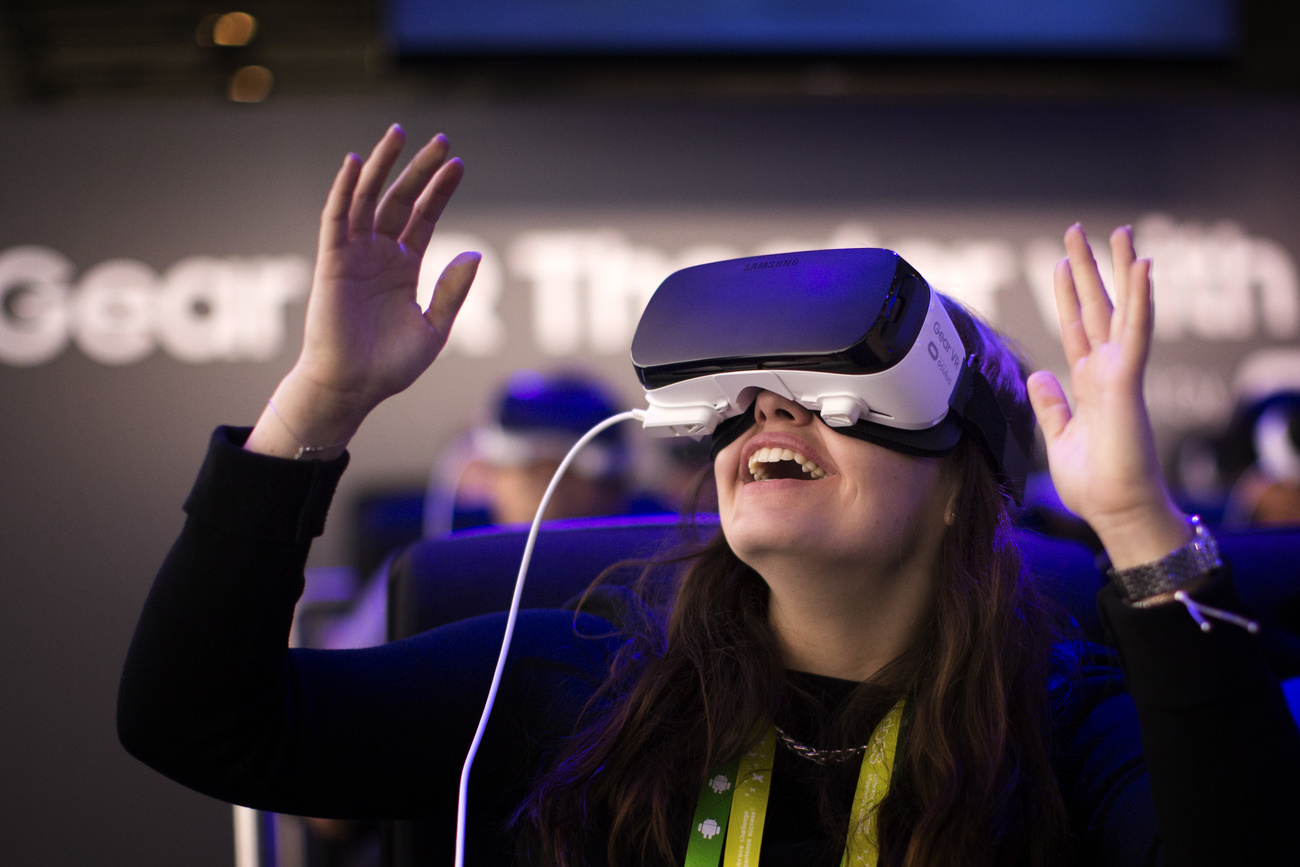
1265,436
498,472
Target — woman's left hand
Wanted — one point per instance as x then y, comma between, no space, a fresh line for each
1102,455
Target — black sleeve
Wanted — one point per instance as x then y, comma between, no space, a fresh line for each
1199,763
212,697
1099,763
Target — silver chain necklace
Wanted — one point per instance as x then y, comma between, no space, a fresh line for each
812,754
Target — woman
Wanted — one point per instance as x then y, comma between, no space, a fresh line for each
831,613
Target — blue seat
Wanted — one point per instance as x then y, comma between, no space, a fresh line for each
465,574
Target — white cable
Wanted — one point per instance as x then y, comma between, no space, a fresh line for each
463,797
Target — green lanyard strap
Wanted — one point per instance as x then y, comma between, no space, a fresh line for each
873,785
736,795
709,827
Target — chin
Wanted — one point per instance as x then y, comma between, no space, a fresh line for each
754,541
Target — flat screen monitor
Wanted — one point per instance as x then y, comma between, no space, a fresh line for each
995,28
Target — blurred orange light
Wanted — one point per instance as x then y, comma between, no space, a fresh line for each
234,28
250,84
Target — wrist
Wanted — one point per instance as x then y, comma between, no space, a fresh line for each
304,421
319,412
303,445
1142,534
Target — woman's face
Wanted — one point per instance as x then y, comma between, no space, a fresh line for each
791,487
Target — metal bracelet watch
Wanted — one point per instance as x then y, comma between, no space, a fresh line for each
1172,572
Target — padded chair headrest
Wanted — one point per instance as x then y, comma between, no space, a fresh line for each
438,581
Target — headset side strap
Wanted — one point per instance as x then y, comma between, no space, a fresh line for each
977,404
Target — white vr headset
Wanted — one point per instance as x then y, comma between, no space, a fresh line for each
855,335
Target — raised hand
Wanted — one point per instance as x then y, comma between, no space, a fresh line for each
1102,455
366,337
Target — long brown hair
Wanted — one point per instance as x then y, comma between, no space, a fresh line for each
700,669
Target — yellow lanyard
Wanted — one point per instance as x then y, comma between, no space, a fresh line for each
733,803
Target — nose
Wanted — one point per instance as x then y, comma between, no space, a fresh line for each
772,407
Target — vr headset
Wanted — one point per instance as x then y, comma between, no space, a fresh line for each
855,335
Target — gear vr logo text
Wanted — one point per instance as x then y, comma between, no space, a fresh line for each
199,310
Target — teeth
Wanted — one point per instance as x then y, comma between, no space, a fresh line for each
759,458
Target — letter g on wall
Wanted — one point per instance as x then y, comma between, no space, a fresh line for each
202,309
33,305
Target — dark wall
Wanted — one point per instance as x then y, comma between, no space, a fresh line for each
96,458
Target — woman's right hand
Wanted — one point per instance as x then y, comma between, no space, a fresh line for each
366,337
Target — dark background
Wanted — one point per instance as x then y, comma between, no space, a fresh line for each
116,140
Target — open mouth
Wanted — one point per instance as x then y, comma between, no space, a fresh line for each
779,463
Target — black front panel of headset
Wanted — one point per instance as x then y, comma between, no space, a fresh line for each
841,311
